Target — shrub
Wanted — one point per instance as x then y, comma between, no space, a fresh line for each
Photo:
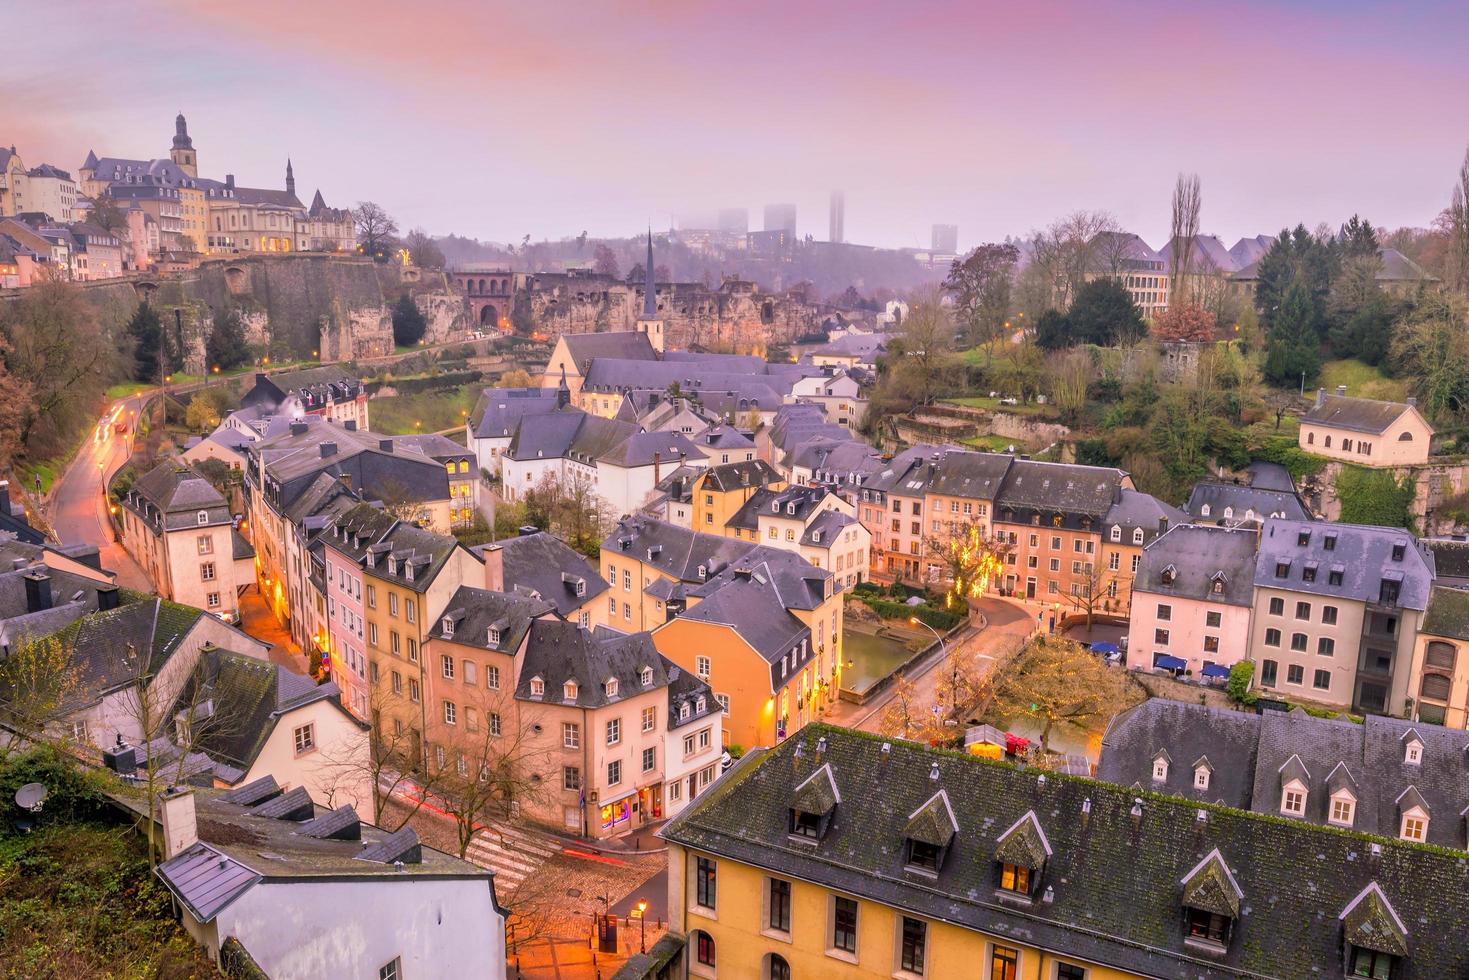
1238,685
1374,497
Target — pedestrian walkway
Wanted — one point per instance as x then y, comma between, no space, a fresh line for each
513,853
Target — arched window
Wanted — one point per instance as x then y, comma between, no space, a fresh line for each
1204,511
703,948
1440,654
1229,513
481,285
1406,437
1435,686
776,968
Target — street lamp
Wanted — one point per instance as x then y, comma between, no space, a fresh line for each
643,921
954,676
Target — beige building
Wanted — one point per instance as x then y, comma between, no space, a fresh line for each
178,528
1440,686
1364,431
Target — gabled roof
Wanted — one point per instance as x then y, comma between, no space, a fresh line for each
933,822
1362,554
542,565
740,474
1197,553
624,344
1209,500
558,652
1211,887
499,410
1066,488
1355,414
472,612
1369,921
1024,843
817,794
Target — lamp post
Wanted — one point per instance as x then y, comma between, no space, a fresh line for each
643,922
943,651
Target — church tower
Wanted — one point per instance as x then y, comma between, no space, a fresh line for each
290,178
182,153
649,322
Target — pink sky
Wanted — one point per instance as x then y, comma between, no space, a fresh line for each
497,120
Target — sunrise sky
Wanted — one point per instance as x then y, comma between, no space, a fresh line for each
497,120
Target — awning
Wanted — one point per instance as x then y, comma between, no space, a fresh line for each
1106,649
1169,663
1215,670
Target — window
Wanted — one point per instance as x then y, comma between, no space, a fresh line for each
1322,680
1015,878
1272,638
492,678
451,713
614,773
568,691
1208,926
408,609
610,688
1213,620
206,571
469,677
570,735
213,600
397,683
650,759
413,690
1371,963
705,883
779,968
1413,753
1070,971
1341,811
704,945
1201,777
1303,611
371,596
1114,561
305,738
1116,533
1298,642
448,666
914,933
844,924
1004,963
392,603
923,856
626,580
1165,613
206,544
1160,769
1268,668
537,687
780,905
1160,637
412,650
391,970
1277,606
1293,800
1295,674
495,723
1415,826
1325,646
614,731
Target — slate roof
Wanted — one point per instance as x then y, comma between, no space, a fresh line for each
1252,755
1047,488
72,597
826,529
966,474
723,437
472,612
778,503
743,473
843,461
313,446
640,448
1354,414
572,434
1450,558
558,652
1112,890
239,849
314,386
378,541
107,646
1241,502
499,410
624,344
249,695
171,495
672,550
1362,554
1135,509
1197,553
1448,614
542,565
752,606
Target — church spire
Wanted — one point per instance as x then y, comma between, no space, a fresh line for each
290,178
650,299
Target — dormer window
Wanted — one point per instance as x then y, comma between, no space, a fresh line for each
1204,510
494,636
1160,767
1137,535
1303,538
448,627
1293,799
1413,752
537,687
1282,569
930,830
646,677
812,805
1375,938
1343,811
568,691
203,517
1021,853
1169,574
610,687
700,704
1329,542
1217,585
1398,549
683,711
1201,776
1211,903
1116,533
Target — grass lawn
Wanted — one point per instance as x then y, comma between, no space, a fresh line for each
125,389
432,410
1362,381
994,444
993,405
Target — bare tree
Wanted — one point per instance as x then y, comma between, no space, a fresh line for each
1089,595
1058,682
1065,253
375,229
144,704
1068,373
979,284
423,250
38,677
394,766
1188,201
1456,223
968,557
487,762
922,354
570,507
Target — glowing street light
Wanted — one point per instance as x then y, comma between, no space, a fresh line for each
643,920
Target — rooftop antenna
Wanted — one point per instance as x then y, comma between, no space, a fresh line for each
30,798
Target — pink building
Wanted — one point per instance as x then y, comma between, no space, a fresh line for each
344,642
1191,601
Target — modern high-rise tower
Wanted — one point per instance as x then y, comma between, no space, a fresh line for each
781,217
946,239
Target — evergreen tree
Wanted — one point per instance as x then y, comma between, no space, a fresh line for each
226,347
1294,340
146,330
1104,314
409,324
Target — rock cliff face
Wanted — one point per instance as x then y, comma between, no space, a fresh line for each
736,316
337,305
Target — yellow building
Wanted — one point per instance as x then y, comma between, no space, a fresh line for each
1440,678
706,500
837,854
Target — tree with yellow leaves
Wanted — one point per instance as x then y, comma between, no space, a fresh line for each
969,558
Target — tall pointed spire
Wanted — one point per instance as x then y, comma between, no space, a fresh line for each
650,299
290,178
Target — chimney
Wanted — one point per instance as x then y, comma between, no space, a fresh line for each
386,445
38,591
494,557
121,758
180,828
350,425
298,428
657,466
229,181
5,497
328,449
1341,391
106,597
1412,403
527,529
1320,397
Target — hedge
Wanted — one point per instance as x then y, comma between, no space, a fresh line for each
940,619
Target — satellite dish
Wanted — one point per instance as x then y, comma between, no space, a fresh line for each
30,797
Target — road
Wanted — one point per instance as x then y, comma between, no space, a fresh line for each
1007,624
78,510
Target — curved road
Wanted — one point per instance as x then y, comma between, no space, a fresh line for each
78,508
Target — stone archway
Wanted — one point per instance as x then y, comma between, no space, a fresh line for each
489,316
